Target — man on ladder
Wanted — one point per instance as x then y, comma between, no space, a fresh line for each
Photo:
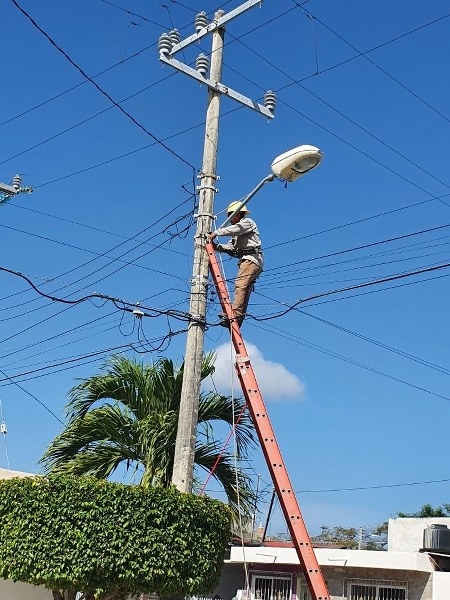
246,246
266,435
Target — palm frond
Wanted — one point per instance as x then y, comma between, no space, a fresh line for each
223,408
104,431
236,482
127,416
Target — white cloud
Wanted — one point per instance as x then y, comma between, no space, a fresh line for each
274,380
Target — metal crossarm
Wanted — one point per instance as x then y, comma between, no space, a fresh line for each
280,478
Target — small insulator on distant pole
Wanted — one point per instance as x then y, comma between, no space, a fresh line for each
16,182
201,21
202,64
174,36
270,100
164,44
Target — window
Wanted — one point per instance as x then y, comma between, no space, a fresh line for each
360,589
271,586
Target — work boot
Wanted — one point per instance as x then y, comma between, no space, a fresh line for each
240,319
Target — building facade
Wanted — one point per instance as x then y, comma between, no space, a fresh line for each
406,571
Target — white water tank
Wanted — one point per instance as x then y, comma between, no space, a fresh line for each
436,538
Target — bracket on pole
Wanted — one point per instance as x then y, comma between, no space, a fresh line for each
167,50
216,86
214,25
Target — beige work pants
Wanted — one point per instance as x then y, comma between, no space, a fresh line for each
243,286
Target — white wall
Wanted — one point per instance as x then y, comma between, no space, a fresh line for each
335,557
441,586
22,591
406,535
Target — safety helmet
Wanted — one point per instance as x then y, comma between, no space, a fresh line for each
235,206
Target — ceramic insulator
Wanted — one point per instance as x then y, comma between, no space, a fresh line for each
201,21
270,100
174,36
17,180
164,44
202,64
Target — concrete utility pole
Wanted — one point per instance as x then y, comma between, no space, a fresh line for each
169,44
183,473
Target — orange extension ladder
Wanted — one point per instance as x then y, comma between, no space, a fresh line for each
280,478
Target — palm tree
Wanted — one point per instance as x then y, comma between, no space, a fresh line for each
127,417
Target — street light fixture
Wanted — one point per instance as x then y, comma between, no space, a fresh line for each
288,166
296,162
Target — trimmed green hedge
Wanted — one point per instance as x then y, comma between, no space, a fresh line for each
80,533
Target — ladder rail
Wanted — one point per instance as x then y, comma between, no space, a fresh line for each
266,435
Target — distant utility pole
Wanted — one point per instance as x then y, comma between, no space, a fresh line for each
8,191
169,44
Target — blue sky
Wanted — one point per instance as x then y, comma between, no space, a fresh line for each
355,381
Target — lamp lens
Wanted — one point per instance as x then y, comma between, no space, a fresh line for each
306,163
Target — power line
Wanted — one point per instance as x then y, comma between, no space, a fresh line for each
60,334
329,131
78,224
83,122
67,343
339,112
161,340
126,263
364,55
118,303
373,341
74,87
439,198
362,247
376,291
44,406
372,487
357,221
68,361
95,84
133,13
354,287
118,64
282,14
373,48
291,337
280,278
97,254
435,197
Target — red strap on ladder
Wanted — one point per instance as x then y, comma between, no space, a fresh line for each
266,435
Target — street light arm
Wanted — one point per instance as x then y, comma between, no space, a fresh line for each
288,166
249,196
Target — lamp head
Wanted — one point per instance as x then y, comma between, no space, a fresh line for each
296,162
